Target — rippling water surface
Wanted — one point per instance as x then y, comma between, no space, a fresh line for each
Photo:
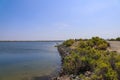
28,60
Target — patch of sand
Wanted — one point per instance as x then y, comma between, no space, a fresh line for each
114,46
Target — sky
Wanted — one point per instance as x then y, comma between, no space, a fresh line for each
59,19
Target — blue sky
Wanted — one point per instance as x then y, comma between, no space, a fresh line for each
58,19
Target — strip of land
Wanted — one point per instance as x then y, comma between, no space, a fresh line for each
89,59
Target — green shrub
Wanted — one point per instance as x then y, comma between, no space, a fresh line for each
102,46
83,44
117,65
118,39
111,75
90,43
96,77
91,55
95,42
68,42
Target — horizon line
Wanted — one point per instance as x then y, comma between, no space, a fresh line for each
30,40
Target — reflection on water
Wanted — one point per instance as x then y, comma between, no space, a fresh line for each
28,60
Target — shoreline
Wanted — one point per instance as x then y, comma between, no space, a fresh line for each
63,51
32,41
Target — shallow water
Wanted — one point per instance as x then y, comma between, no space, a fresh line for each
28,60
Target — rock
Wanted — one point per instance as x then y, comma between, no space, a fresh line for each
88,73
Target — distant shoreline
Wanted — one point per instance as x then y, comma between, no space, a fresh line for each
37,41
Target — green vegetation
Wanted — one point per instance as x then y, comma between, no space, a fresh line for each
117,39
92,55
68,42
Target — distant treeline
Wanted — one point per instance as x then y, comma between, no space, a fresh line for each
116,39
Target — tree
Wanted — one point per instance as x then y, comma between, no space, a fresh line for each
118,39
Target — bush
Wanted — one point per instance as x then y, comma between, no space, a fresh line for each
117,65
95,42
91,55
118,39
68,42
111,75
102,46
100,43
83,44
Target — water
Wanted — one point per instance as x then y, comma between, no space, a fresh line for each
28,60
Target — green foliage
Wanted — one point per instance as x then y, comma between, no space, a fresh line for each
99,43
117,65
83,44
95,42
102,46
111,75
112,39
68,42
118,39
91,55
96,77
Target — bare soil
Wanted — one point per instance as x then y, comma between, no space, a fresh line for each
114,46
